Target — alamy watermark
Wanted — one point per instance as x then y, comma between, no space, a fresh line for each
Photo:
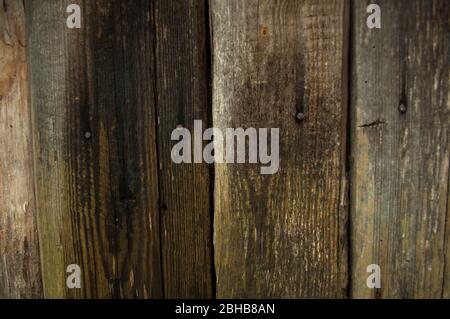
228,146
374,280
74,19
374,19
73,280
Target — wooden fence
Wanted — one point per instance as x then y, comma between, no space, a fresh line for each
86,176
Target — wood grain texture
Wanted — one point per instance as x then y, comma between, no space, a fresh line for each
93,102
282,235
20,274
400,157
182,54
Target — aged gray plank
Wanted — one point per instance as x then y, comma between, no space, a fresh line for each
20,274
282,235
400,148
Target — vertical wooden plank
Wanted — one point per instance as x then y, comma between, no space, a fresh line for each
446,279
282,235
20,275
182,97
95,143
400,148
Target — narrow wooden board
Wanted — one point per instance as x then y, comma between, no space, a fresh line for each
95,143
182,55
20,274
400,160
282,235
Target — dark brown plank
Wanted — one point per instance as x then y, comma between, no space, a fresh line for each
96,165
182,97
282,235
401,154
20,274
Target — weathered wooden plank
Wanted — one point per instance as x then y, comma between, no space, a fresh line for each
95,142
182,97
282,235
400,148
20,274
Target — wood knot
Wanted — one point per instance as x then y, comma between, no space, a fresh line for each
264,31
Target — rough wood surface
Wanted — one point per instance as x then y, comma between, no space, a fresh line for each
182,52
20,275
95,143
282,235
400,154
